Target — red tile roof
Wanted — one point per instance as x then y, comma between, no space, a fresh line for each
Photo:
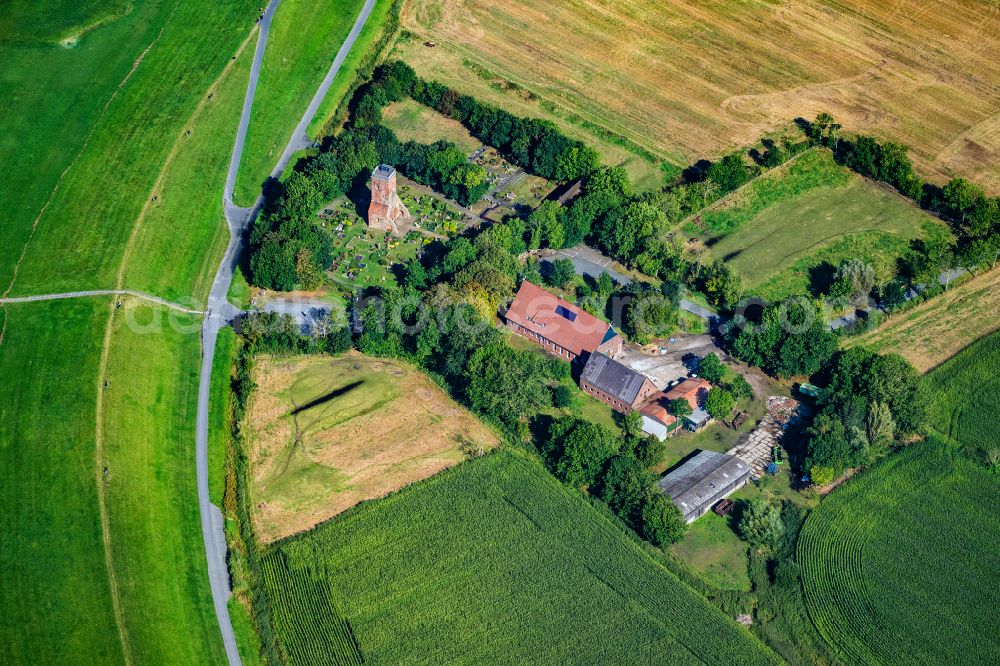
656,409
554,319
691,390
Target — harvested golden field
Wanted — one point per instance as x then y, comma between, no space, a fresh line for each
692,79
934,331
328,433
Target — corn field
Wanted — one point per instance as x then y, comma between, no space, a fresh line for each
309,627
492,561
966,395
900,565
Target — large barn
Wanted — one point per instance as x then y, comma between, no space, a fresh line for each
615,384
560,327
703,480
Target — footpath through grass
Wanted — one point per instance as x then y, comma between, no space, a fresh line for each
304,39
899,565
508,566
784,227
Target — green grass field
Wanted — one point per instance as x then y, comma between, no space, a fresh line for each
59,22
148,435
965,394
102,527
219,412
304,39
712,548
181,235
899,565
115,159
507,566
783,226
53,96
58,607
412,121
379,22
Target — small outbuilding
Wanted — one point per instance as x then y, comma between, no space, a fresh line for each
704,480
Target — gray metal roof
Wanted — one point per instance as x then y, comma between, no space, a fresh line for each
701,481
383,172
612,377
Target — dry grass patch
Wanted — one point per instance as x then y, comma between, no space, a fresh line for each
328,433
687,79
935,331
412,121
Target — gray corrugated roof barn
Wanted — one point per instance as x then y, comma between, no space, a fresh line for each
703,480
612,377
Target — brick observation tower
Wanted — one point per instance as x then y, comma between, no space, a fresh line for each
386,207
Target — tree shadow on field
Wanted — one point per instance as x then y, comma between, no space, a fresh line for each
821,278
336,393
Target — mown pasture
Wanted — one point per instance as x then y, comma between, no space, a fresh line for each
59,22
179,237
147,436
781,230
507,565
899,565
56,602
53,98
690,80
328,433
106,542
965,391
941,327
304,39
108,177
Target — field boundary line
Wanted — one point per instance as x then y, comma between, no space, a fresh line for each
76,158
102,506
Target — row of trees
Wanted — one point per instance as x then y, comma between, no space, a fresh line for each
973,216
533,144
615,469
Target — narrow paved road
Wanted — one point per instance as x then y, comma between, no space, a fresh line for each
102,292
220,311
212,524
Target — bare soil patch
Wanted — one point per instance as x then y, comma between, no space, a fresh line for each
328,433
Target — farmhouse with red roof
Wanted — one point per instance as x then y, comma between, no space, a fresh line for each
560,327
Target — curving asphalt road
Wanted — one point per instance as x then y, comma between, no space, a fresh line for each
220,312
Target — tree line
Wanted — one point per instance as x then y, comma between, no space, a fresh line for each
973,217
